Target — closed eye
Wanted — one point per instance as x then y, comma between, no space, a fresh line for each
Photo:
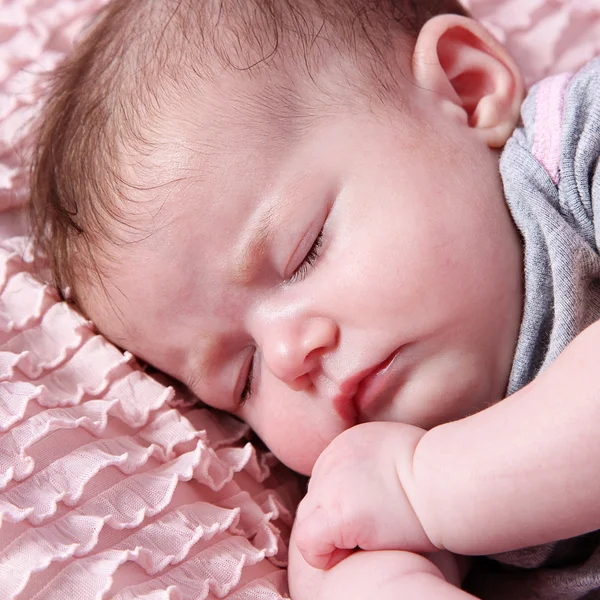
309,260
247,391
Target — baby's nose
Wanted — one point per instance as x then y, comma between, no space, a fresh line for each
293,351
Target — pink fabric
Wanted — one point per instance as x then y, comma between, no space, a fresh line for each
545,36
112,484
548,121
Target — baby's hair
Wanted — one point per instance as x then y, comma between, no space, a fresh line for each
104,99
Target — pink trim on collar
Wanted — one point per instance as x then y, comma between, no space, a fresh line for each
548,123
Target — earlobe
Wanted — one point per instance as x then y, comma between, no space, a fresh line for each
459,60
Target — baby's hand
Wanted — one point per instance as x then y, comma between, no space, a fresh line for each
359,495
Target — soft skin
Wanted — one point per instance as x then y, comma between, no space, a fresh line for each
419,258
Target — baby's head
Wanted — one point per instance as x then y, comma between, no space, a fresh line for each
293,207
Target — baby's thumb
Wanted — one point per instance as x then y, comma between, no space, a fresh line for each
314,537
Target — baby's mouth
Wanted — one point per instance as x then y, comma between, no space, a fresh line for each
374,384
359,392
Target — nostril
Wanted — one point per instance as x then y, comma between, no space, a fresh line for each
301,383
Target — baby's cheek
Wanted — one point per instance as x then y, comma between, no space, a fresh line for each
294,426
297,451
297,446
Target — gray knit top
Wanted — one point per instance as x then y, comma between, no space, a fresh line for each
552,187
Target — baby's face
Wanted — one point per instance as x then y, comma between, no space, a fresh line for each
310,273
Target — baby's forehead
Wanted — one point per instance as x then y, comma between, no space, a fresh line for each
234,115
205,139
204,143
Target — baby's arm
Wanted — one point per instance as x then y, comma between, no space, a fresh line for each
382,575
520,473
524,471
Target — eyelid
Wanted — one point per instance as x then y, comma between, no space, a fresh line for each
310,259
299,249
314,231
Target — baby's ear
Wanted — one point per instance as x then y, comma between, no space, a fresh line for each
459,60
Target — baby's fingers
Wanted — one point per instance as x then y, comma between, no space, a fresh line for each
317,541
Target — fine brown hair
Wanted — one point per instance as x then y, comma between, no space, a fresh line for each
102,97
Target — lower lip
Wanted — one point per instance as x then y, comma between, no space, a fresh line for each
372,386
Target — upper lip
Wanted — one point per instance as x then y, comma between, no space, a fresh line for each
344,401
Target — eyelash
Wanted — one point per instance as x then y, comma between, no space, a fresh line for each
247,391
299,274
309,260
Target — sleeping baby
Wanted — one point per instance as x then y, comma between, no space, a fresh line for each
340,221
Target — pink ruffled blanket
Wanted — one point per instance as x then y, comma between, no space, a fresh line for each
112,484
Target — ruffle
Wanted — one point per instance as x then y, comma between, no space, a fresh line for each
138,396
34,350
216,570
219,568
256,522
265,589
65,479
126,505
15,463
88,373
23,302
